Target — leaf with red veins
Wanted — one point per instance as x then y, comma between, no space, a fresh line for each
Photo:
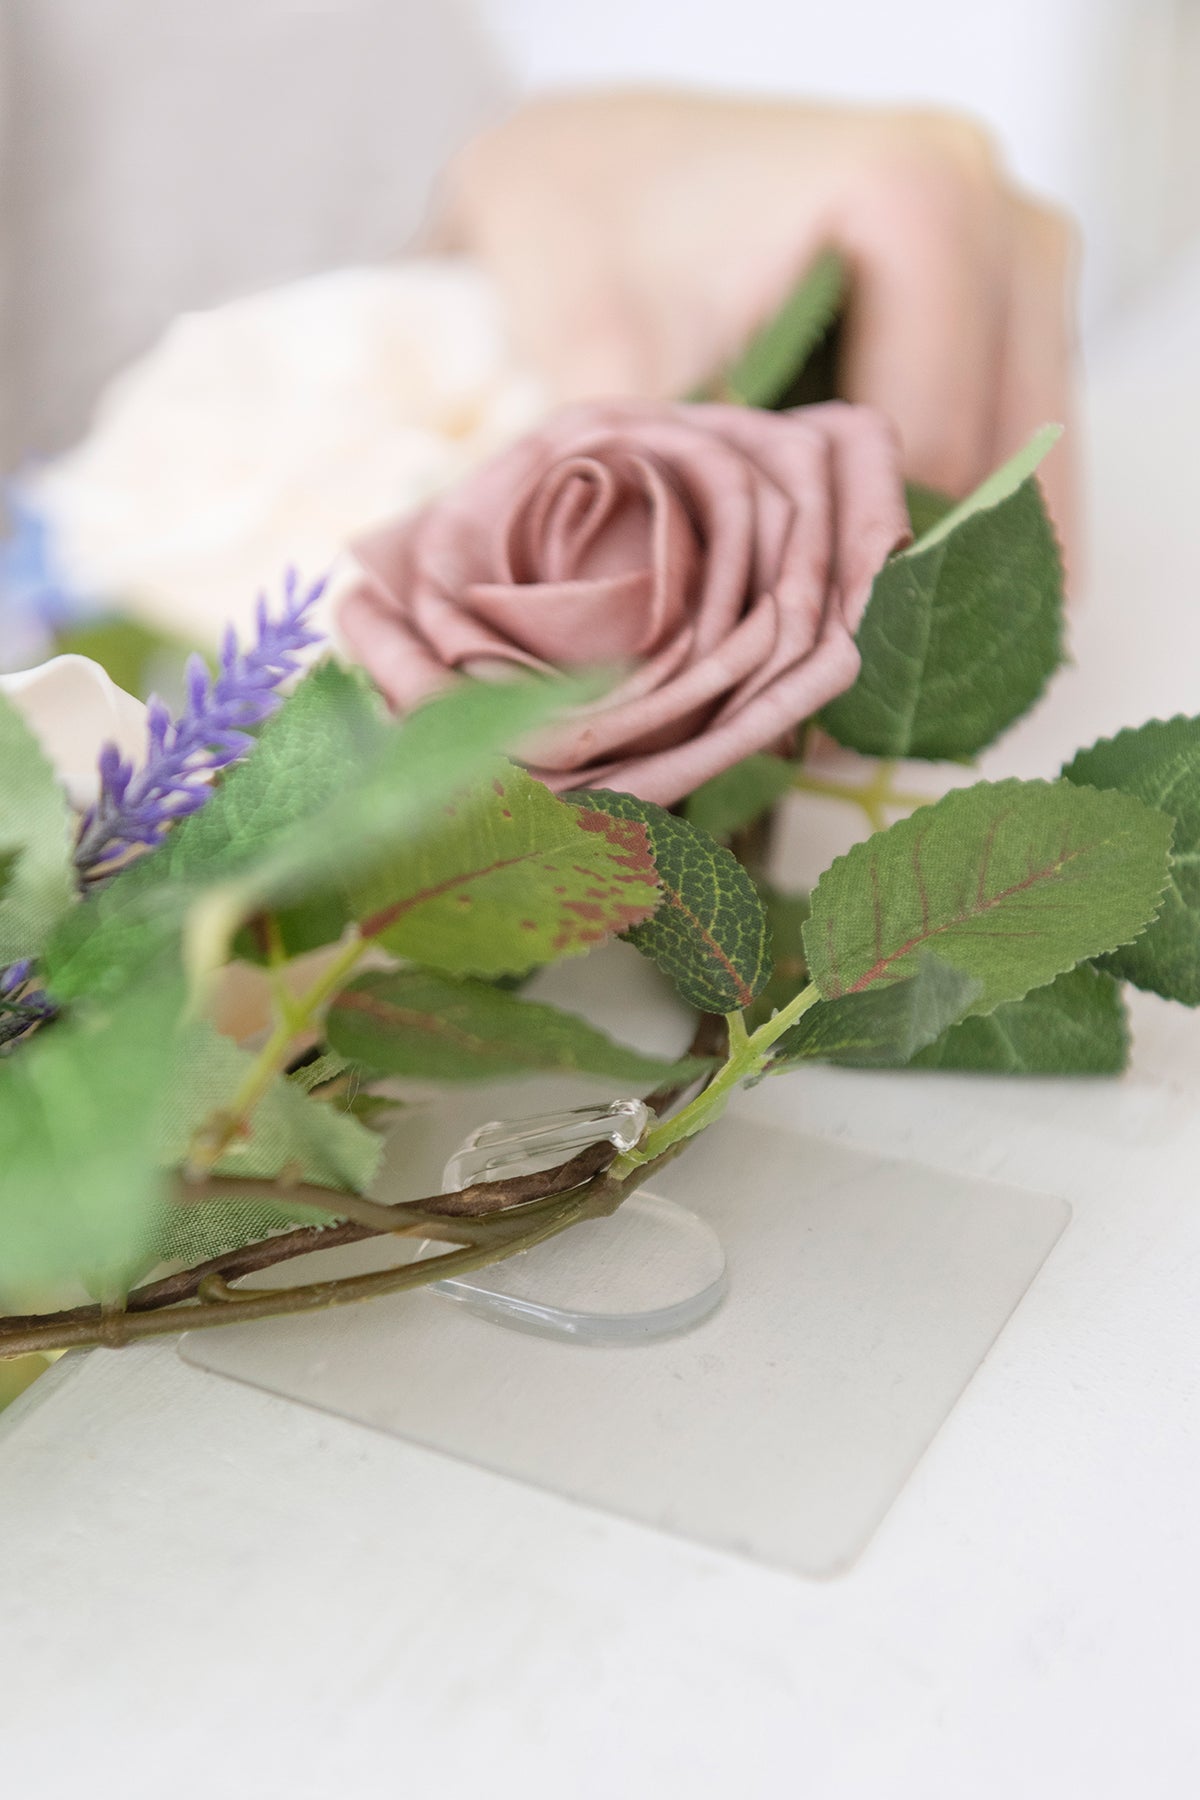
412,1022
1010,882
510,877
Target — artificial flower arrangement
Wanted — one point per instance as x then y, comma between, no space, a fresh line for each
752,576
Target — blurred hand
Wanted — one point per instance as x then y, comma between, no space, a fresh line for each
639,239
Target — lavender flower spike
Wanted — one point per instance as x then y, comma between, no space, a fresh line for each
19,1012
14,977
138,806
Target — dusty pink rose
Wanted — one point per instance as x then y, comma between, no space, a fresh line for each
722,557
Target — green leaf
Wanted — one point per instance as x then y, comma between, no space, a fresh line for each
1010,882
509,878
1075,1025
139,659
37,827
997,487
1160,764
187,1235
413,1022
963,629
287,1130
884,1026
290,1133
311,755
80,1110
321,1070
787,915
415,770
357,846
709,934
329,793
8,862
926,507
373,1109
777,353
306,757
305,926
739,795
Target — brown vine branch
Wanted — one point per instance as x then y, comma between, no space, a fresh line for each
221,1304
436,1214
499,1208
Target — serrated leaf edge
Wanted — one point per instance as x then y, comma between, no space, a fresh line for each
1028,459
1018,781
936,543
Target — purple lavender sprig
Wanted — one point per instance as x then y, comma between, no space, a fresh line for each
13,979
138,807
20,1011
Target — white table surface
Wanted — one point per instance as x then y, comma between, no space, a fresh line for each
204,1589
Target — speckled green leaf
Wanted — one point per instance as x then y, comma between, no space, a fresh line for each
709,934
963,629
509,877
1076,1025
1160,764
1010,882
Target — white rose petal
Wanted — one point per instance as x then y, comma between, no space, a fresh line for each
73,707
272,430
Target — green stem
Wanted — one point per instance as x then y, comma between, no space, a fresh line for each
277,961
747,1058
271,1060
873,797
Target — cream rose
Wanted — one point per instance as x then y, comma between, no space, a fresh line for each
267,431
721,556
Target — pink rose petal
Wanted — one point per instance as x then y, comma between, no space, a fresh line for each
724,556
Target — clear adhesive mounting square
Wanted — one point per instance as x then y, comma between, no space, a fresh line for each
863,1294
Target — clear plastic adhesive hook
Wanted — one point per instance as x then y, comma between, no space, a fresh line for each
650,1270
